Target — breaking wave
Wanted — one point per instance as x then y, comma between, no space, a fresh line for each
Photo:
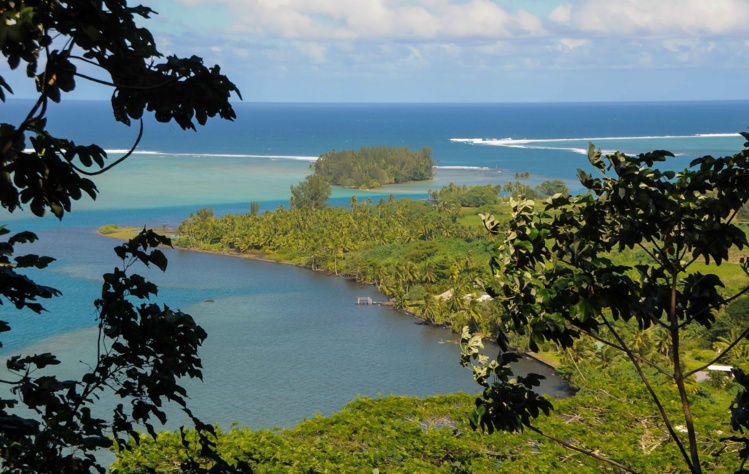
557,143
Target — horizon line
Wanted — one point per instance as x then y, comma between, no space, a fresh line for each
530,102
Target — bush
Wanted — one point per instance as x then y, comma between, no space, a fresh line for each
108,229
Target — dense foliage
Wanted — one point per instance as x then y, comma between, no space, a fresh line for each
312,193
143,349
559,277
372,167
433,434
546,189
467,196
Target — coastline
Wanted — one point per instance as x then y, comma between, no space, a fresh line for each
249,256
260,257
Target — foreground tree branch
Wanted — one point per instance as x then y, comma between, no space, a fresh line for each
555,269
143,350
578,449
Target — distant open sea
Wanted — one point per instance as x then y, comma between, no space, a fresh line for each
285,343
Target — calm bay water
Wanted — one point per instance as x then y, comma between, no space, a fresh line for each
285,343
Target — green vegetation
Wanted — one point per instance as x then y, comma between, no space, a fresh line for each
312,193
127,233
465,196
433,434
372,167
552,187
546,189
108,229
614,276
47,424
609,281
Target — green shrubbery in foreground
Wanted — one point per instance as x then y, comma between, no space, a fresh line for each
402,434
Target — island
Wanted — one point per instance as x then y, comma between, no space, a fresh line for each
372,167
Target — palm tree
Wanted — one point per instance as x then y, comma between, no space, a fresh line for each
429,308
456,303
399,297
428,272
443,312
426,229
740,351
661,341
474,313
383,277
639,341
608,355
412,274
582,349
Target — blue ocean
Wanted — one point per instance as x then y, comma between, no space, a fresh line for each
286,343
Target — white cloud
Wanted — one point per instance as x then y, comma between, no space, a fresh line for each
561,14
572,43
689,50
377,19
436,45
415,56
657,18
497,48
316,53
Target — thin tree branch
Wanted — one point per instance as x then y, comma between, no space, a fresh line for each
724,352
127,87
8,382
623,349
647,251
95,64
715,306
86,60
581,450
120,160
32,115
679,377
18,136
659,250
653,395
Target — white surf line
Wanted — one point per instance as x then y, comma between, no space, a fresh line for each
224,155
205,155
463,167
513,142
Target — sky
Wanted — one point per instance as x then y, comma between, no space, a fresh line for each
463,50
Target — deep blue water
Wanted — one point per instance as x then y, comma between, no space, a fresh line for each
285,343
312,129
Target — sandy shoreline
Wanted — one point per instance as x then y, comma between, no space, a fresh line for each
249,256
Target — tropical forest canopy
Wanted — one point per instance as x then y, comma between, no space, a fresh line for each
372,167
